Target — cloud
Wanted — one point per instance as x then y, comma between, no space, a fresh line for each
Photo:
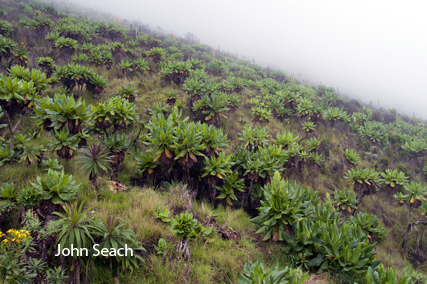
374,50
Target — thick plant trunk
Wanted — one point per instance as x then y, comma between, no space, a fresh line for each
12,130
359,198
63,262
249,198
94,182
420,254
408,229
184,248
76,270
212,182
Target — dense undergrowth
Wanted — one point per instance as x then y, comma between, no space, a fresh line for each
213,169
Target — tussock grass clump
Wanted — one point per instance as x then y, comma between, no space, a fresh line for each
332,136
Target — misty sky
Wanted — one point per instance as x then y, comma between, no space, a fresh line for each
375,50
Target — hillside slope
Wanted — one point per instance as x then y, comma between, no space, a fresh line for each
143,129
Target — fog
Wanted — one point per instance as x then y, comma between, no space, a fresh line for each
371,50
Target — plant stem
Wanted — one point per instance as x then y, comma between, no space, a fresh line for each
12,130
408,229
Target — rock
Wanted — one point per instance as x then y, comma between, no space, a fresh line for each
115,186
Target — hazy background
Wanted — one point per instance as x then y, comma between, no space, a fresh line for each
373,50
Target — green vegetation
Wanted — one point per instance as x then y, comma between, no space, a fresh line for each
213,169
257,273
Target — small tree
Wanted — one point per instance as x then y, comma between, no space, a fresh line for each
352,157
365,182
161,139
114,234
183,225
213,138
129,92
188,147
148,167
211,108
216,168
345,201
415,195
62,111
118,146
283,206
7,47
231,183
126,68
156,54
94,160
20,58
117,112
96,84
66,45
194,88
74,228
393,180
47,64
16,96
64,144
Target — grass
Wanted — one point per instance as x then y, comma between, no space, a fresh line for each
216,261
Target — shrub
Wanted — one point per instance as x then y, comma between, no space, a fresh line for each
7,191
345,201
365,182
284,205
393,178
29,197
183,225
352,156
382,275
370,223
117,112
57,187
163,247
231,183
62,111
256,273
52,164
94,160
163,215
65,43
64,145
384,162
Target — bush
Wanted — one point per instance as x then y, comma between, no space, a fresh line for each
256,273
384,162
117,112
405,169
29,197
7,191
57,187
